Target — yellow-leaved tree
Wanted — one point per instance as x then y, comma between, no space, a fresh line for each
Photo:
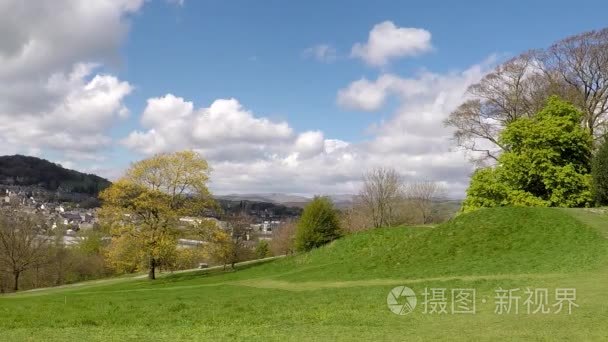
142,209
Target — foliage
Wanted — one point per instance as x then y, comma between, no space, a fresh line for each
600,174
124,254
219,242
318,225
144,206
262,250
546,163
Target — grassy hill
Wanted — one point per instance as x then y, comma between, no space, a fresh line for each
339,292
32,171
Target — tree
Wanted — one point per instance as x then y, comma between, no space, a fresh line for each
381,193
547,163
23,243
356,217
239,226
581,62
227,245
283,237
262,250
219,245
600,174
318,225
421,195
145,205
575,68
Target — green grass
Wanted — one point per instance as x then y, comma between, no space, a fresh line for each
338,292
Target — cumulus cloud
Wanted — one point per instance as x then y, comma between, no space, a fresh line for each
387,41
366,95
81,107
39,36
321,52
310,143
277,159
54,96
413,141
223,130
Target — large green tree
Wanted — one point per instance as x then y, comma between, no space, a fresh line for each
318,225
548,163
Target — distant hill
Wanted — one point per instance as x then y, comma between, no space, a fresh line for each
259,208
340,200
277,198
31,171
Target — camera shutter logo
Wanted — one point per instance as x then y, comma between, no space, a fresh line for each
401,300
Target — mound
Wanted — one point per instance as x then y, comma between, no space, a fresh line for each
488,241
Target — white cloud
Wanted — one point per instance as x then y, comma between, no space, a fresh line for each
53,96
413,141
366,95
321,52
263,159
223,130
83,107
362,95
387,41
310,143
39,36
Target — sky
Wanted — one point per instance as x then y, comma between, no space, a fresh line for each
295,97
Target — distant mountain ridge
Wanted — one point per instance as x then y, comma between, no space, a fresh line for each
285,199
32,171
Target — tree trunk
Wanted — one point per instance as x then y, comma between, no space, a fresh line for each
16,274
151,272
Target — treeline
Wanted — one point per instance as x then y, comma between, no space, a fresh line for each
34,255
232,207
31,171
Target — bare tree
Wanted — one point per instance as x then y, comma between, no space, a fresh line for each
581,61
501,97
357,217
283,239
23,243
421,195
381,193
239,226
575,68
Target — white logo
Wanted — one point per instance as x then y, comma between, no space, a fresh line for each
399,305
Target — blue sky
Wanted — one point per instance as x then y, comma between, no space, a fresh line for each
299,122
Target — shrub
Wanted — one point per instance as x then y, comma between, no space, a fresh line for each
318,225
262,250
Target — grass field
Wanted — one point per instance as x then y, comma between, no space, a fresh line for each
339,292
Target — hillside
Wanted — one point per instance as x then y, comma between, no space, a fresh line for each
338,292
31,171
488,241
